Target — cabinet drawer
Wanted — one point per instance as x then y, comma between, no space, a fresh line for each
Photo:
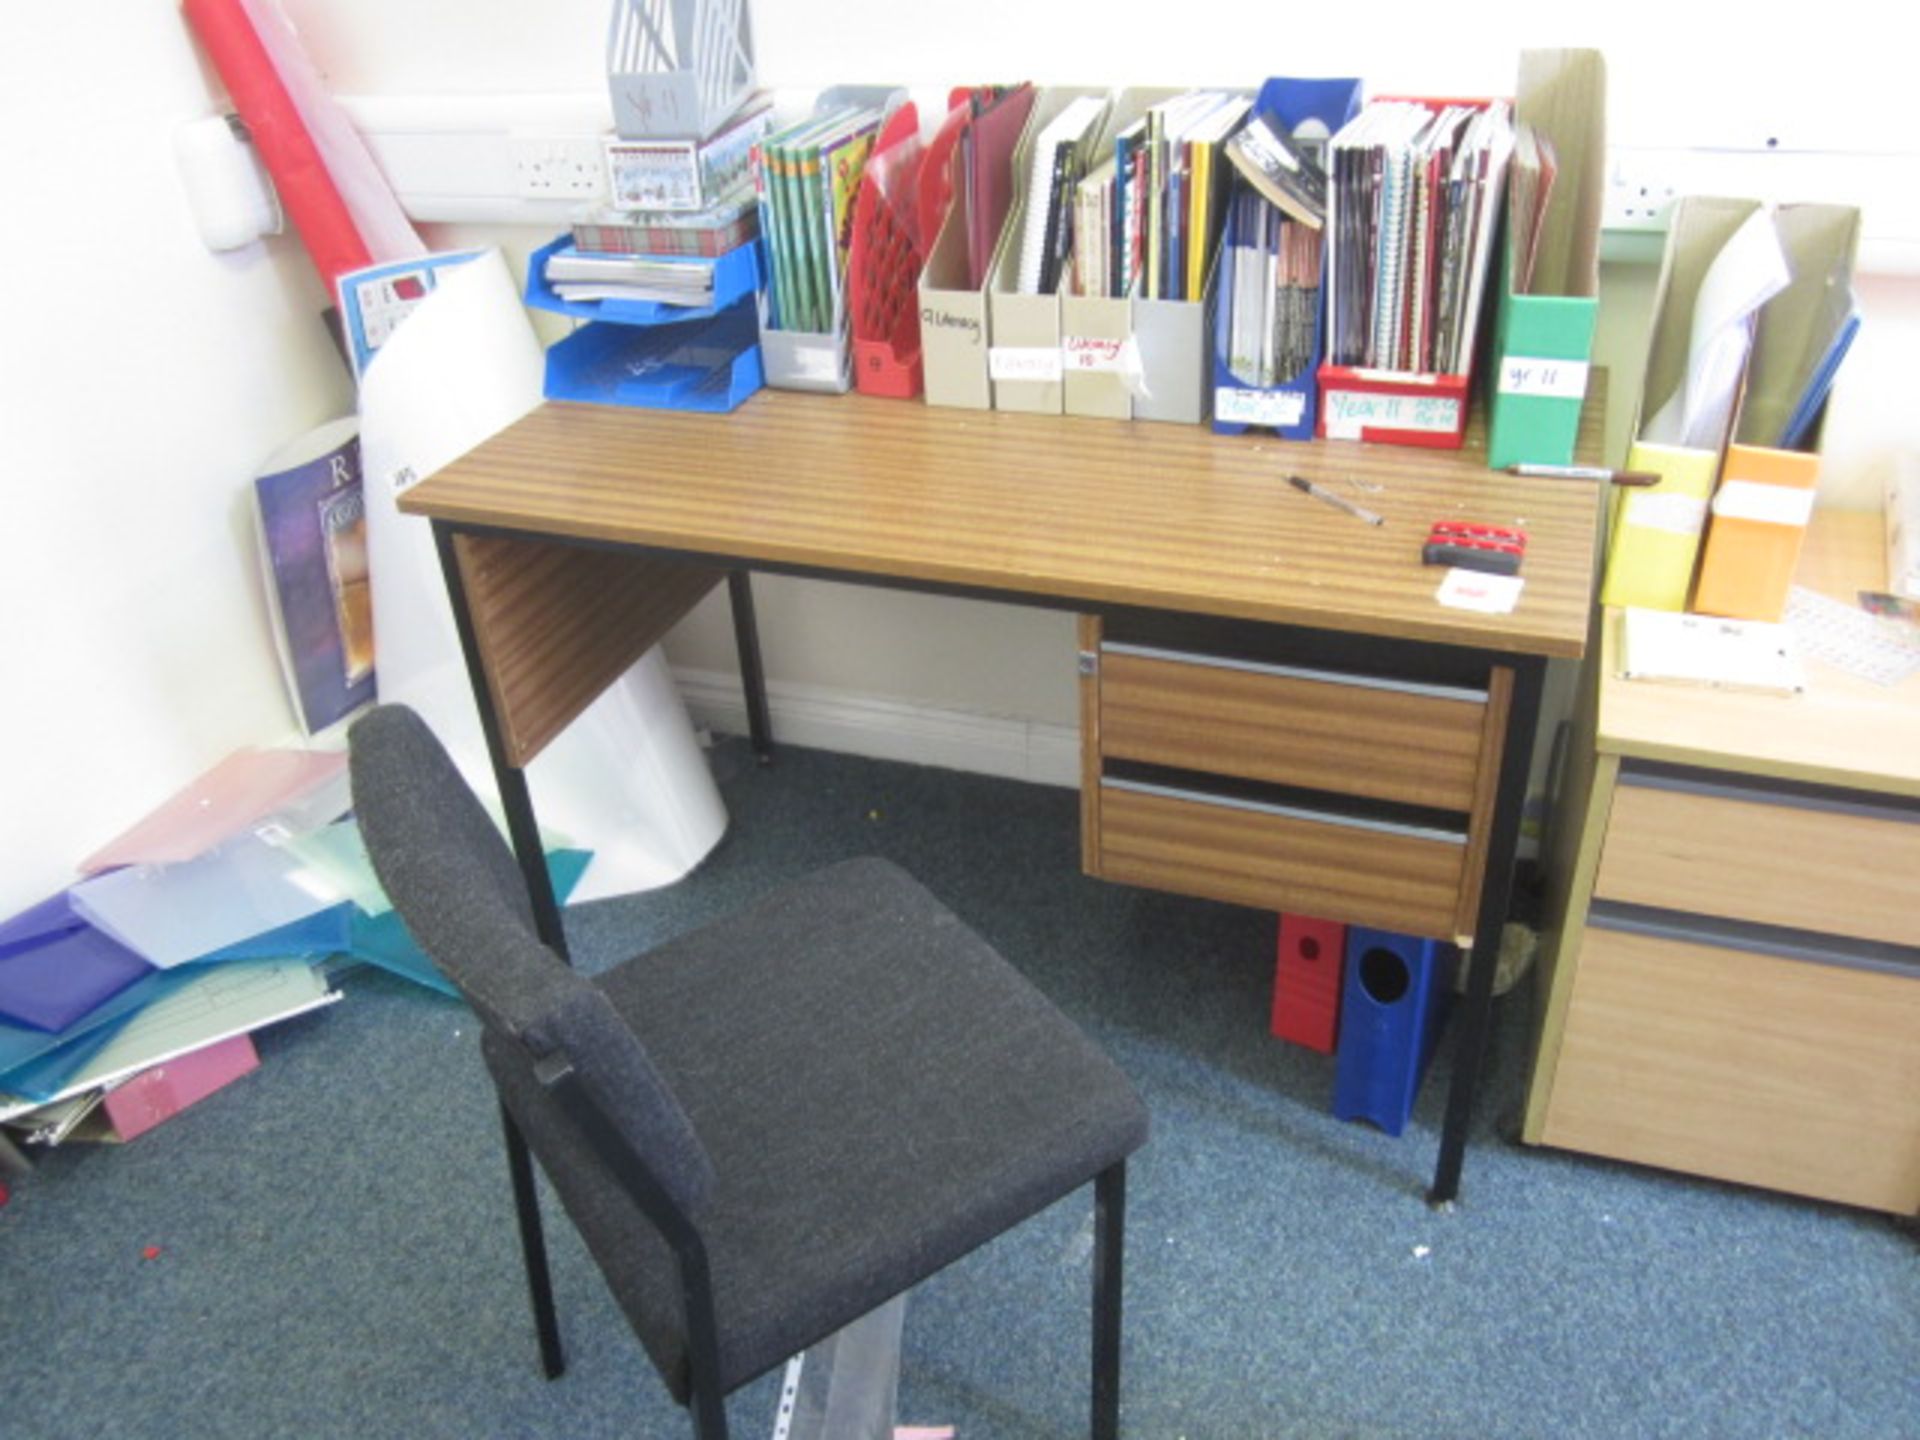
1787,1073
1273,857
1415,744
1786,859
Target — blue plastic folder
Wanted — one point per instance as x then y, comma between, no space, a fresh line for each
55,969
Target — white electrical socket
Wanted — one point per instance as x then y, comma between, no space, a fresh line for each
1640,194
558,167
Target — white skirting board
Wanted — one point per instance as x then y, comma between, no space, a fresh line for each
890,729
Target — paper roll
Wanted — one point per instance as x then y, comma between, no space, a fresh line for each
288,151
625,780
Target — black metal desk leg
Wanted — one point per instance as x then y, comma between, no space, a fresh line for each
525,835
1109,1231
1496,894
753,678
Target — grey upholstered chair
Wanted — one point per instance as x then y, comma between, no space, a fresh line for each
767,1128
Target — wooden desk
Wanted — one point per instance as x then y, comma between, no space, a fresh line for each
578,536
1733,957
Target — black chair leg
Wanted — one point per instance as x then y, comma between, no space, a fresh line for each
533,1248
753,677
1109,1230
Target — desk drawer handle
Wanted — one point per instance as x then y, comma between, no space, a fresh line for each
1296,672
1288,812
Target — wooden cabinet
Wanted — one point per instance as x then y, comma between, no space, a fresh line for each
1732,962
1353,792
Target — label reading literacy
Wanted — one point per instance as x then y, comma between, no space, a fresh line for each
1351,412
1258,407
1024,362
1100,356
1551,379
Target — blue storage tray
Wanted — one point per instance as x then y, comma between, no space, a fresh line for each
711,364
735,274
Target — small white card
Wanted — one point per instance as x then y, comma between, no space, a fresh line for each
1477,590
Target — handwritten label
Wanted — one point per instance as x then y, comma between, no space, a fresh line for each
1350,413
1278,408
1095,355
1769,504
1675,514
934,318
1551,379
1024,362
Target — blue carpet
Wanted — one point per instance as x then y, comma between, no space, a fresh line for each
337,1254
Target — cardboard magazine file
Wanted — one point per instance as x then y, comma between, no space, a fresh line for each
883,264
1311,109
1543,333
1104,369
1765,498
1024,360
1655,536
821,361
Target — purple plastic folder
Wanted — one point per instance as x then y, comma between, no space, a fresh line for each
56,969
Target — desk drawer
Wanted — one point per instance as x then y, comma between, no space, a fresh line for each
1415,744
1275,857
1758,1068
1784,858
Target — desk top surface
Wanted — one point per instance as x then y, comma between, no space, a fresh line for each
1167,517
1843,730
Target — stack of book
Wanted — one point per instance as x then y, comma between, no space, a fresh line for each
1147,216
805,179
1413,203
1272,265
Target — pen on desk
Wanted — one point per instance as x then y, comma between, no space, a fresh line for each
1586,472
1339,502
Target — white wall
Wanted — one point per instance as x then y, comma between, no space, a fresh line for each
144,379
141,381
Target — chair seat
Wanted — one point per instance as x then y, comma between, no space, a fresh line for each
880,1093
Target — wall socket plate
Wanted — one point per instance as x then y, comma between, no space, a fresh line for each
558,167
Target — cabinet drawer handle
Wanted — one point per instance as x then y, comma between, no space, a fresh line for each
1786,794
1778,941
1289,812
1295,672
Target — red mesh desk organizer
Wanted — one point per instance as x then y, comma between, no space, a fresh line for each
883,263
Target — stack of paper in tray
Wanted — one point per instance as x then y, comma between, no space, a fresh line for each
135,992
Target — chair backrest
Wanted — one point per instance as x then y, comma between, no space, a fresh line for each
456,885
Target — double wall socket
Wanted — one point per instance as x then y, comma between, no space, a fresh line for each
558,167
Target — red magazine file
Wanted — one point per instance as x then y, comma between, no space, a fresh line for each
883,264
1401,407
1306,981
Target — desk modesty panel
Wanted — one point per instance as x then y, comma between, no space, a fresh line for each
1091,513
